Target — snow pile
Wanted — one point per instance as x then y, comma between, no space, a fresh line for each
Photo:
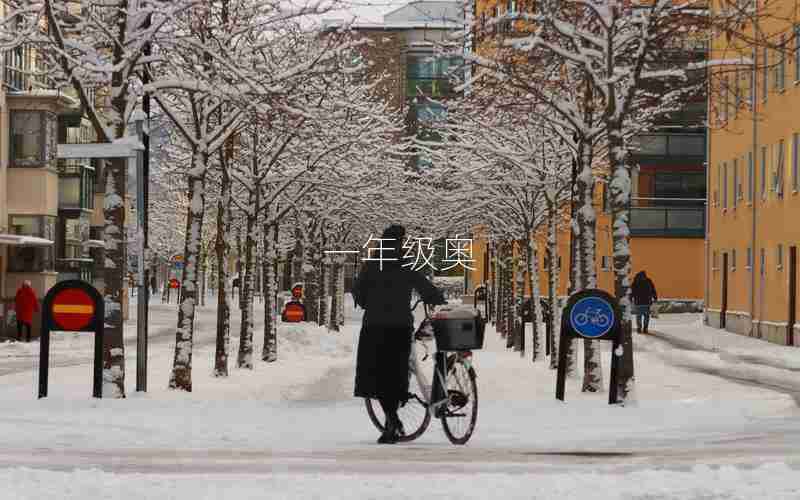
308,339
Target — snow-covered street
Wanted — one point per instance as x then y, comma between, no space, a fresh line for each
292,430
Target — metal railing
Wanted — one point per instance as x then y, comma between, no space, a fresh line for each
676,217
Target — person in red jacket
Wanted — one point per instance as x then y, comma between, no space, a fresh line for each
26,304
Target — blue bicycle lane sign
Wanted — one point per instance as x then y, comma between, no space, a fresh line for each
592,317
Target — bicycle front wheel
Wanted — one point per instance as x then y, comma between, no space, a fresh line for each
461,412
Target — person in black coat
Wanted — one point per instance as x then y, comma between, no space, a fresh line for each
644,294
384,344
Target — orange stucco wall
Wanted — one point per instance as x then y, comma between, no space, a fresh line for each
676,265
756,290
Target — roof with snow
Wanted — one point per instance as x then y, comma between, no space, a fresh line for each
415,15
427,12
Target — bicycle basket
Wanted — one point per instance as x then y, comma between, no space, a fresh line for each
458,329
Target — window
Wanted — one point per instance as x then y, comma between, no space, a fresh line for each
725,185
680,185
765,75
27,134
779,257
795,161
751,88
763,262
605,263
750,176
733,259
749,263
31,259
797,53
780,154
735,182
780,67
723,113
763,172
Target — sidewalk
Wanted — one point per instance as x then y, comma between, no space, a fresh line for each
701,348
689,330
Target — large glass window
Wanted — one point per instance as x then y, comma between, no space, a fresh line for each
26,138
429,75
680,185
76,184
31,258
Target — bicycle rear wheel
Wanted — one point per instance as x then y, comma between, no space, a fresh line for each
414,415
461,412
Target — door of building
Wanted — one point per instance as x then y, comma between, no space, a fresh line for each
792,295
724,307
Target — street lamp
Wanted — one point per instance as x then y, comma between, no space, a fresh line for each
143,290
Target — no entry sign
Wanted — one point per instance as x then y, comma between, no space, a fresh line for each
72,306
73,309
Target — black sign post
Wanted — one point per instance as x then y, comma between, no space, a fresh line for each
591,314
72,306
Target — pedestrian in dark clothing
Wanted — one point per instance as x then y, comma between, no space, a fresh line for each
25,304
383,290
644,294
154,285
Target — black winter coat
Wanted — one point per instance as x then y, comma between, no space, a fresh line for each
384,345
644,292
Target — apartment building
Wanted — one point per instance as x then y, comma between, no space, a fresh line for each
754,159
668,196
402,49
49,228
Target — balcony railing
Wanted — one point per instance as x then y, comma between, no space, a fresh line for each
671,217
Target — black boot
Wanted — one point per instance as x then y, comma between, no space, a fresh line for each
392,431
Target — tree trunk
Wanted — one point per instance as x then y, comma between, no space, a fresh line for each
532,257
269,352
181,376
337,295
552,281
620,190
115,265
223,251
239,270
519,302
509,306
298,258
587,221
245,356
324,290
311,288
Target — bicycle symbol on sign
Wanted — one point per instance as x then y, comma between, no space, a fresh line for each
593,316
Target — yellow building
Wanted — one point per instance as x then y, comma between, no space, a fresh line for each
754,182
668,197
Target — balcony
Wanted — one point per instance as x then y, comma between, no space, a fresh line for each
665,146
668,217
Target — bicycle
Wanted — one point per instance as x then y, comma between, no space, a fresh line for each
457,408
593,316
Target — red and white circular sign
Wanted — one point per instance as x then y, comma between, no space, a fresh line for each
73,309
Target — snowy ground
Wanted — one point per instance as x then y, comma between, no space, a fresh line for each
292,430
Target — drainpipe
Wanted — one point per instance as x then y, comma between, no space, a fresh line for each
753,269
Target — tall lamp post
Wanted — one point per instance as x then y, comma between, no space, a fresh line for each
142,282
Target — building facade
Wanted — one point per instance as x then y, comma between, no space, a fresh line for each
50,229
402,49
754,153
668,196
